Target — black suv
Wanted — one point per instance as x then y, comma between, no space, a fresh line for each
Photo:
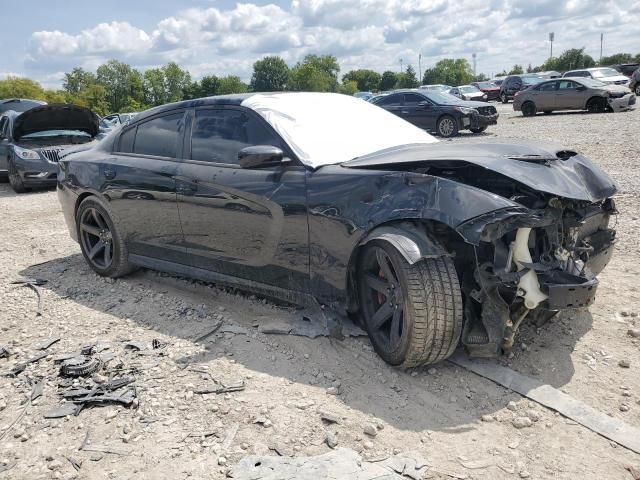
515,83
438,112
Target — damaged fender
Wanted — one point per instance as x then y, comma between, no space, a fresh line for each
412,244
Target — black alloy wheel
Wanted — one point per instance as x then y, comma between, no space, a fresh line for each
96,239
382,297
101,243
412,312
637,89
504,98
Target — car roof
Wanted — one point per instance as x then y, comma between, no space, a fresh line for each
232,99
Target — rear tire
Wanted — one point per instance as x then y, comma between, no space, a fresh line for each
447,126
416,318
100,240
15,180
528,109
597,105
504,98
637,90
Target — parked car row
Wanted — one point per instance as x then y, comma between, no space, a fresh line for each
437,111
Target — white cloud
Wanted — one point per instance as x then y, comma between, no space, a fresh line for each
361,33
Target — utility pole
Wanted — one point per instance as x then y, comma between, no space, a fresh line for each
601,40
475,76
400,65
551,37
420,68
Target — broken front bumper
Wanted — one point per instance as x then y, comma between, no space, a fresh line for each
479,121
622,104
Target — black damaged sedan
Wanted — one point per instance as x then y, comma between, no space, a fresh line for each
32,142
438,112
428,245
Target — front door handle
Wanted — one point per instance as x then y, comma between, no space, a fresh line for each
109,173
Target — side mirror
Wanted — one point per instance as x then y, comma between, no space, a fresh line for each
581,88
424,105
260,156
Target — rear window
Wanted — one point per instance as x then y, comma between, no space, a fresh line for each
159,137
604,72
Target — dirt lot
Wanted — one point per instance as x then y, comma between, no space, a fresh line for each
461,423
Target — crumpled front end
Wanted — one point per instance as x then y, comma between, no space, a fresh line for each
531,263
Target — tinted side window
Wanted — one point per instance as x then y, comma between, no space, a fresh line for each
547,87
568,85
160,136
390,100
412,99
3,123
126,140
218,135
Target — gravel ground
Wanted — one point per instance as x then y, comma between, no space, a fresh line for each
461,423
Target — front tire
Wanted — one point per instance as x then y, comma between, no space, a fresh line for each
413,313
597,105
15,180
100,240
529,109
504,98
447,126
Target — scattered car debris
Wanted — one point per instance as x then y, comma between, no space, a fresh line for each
314,323
37,389
600,423
80,366
338,464
235,387
4,352
20,367
45,344
77,465
635,473
33,284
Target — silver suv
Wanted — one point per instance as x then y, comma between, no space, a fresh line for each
604,74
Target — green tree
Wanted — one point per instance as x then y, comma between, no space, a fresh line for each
349,87
176,81
19,87
76,80
516,70
308,78
481,77
615,59
569,60
94,97
407,79
388,80
231,84
56,96
270,74
154,88
366,80
123,85
316,73
449,71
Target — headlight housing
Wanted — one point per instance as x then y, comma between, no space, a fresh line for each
25,154
466,110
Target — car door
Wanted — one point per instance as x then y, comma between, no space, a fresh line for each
568,97
423,110
139,180
392,103
4,143
544,96
248,223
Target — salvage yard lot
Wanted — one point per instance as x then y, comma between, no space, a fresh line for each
459,422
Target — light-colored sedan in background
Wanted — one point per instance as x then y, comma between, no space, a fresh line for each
573,94
469,92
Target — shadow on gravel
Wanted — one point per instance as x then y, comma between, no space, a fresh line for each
6,191
451,399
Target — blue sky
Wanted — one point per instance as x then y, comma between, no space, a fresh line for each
42,40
